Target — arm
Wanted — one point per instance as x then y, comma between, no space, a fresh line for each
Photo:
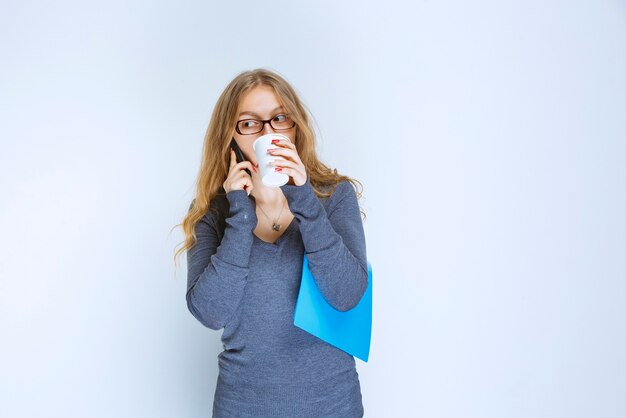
217,272
334,243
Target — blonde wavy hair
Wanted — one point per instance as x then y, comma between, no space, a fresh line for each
215,161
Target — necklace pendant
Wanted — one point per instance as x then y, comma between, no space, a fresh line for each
276,226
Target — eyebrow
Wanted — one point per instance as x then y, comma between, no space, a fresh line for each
247,112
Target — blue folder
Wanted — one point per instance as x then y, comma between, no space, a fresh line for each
350,331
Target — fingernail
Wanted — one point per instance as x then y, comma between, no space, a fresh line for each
278,168
275,141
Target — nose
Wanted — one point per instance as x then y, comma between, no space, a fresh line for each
267,129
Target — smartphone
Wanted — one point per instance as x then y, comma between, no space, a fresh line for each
238,153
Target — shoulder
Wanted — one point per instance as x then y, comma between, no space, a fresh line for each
341,192
217,211
344,188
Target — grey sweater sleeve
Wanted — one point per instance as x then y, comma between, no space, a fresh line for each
217,272
334,242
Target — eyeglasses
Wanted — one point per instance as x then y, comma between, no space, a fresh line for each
280,122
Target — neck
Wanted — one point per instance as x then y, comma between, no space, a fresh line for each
266,196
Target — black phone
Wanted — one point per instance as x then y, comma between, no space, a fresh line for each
238,153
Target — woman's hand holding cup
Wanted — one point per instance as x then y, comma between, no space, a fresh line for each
290,164
285,168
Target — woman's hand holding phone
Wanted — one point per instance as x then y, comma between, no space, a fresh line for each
238,178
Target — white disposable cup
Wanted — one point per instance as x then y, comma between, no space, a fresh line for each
269,176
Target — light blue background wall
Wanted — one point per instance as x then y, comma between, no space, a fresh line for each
489,137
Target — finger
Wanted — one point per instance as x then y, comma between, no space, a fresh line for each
241,182
251,166
291,172
243,166
233,158
282,151
248,186
242,175
284,143
286,154
283,162
287,167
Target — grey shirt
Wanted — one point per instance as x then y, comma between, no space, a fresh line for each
248,287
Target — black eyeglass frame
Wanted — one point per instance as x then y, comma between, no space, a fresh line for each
263,122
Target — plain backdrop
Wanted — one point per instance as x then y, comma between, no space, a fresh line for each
489,136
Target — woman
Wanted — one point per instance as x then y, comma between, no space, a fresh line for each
245,244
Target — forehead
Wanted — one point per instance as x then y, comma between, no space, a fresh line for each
260,101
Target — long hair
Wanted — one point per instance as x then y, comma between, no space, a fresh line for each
216,148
